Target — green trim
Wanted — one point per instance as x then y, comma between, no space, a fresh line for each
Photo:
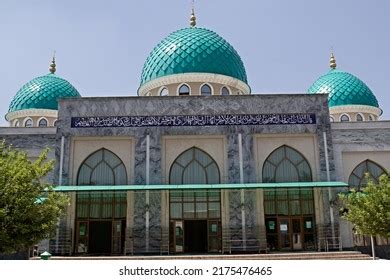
202,186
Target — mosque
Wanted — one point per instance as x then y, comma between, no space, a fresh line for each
197,162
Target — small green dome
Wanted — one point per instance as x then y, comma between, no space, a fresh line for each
344,89
192,50
42,93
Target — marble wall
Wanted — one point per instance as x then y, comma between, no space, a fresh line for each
354,142
33,141
195,105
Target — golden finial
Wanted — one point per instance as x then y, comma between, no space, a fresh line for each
52,68
333,64
193,17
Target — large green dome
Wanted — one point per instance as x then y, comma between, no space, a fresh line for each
42,93
192,50
344,89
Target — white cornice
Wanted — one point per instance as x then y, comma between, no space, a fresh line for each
355,109
31,113
194,78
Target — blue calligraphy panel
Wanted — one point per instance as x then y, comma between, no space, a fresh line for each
188,120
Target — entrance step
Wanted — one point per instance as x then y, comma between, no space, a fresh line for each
343,255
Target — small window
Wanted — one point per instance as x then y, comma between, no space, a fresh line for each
42,123
225,91
55,123
205,90
370,118
359,118
184,90
331,119
16,123
344,118
164,92
28,123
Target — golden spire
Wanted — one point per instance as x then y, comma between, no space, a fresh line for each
333,64
193,17
52,68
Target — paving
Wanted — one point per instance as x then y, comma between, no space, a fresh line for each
342,255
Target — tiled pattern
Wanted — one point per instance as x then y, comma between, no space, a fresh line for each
42,93
344,89
192,50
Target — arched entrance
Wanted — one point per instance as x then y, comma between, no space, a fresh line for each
195,215
289,213
101,216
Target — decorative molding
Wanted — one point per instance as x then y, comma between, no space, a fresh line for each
194,78
355,109
198,120
31,113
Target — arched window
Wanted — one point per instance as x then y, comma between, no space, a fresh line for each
357,178
285,164
42,123
205,90
28,123
344,118
359,118
164,92
55,123
194,167
184,90
225,91
102,168
370,118
16,123
331,119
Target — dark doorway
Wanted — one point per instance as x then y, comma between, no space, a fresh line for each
195,236
100,235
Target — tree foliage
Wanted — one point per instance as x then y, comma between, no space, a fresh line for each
29,209
369,210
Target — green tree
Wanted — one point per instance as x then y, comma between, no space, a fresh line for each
369,210
29,209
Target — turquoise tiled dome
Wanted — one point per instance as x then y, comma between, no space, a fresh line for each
344,89
192,50
42,93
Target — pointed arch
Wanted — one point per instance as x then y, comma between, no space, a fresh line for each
225,90
163,91
206,89
43,122
357,178
194,166
286,164
360,117
184,89
102,167
28,122
345,118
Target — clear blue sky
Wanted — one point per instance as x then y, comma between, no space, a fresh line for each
101,45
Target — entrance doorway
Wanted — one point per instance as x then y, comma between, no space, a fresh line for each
100,240
195,221
195,236
290,233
